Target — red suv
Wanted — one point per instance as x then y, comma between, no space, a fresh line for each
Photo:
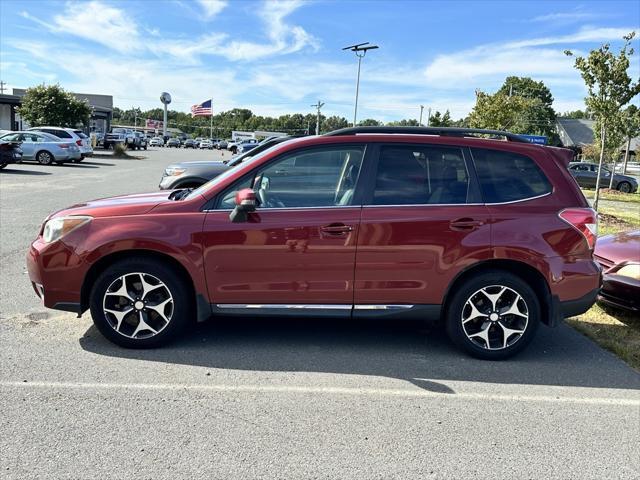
491,235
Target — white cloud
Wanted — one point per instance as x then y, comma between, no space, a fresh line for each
98,22
212,8
565,17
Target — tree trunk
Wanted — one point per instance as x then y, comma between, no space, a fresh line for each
626,156
602,143
613,172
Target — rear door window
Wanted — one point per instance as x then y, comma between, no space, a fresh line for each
507,176
421,175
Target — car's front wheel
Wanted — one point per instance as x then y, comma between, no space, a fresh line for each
493,315
624,187
140,303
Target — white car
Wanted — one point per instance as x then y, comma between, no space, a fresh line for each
206,144
156,142
70,134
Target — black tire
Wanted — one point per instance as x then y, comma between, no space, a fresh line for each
181,308
457,307
3,165
44,158
624,187
145,147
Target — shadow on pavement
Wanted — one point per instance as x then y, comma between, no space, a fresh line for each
23,172
415,352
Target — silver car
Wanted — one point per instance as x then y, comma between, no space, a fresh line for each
44,148
69,135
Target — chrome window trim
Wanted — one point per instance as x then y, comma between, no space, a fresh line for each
258,210
459,204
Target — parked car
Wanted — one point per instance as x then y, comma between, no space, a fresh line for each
156,142
246,146
619,256
491,236
206,144
194,174
173,143
221,144
44,148
190,143
70,134
124,136
141,140
10,152
586,174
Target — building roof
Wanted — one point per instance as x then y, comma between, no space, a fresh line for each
576,132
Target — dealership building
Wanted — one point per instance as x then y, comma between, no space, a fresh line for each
101,111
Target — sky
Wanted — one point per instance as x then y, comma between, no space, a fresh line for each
277,57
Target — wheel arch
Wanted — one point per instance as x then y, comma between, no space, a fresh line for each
190,182
202,306
526,272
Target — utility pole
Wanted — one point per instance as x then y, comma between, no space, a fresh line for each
360,50
318,106
421,109
428,116
2,84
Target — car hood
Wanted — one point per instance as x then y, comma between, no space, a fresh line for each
620,247
137,204
200,163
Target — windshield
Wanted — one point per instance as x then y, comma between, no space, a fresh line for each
228,173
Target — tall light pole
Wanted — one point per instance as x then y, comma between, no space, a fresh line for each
318,106
360,50
428,116
165,98
421,109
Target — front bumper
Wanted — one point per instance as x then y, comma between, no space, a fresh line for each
620,292
56,273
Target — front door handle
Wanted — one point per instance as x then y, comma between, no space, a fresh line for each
462,224
336,229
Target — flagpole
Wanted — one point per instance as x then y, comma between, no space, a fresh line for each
211,118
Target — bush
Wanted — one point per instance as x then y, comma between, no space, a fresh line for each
120,150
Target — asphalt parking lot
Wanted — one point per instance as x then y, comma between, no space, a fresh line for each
288,399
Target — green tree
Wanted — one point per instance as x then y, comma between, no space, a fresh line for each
577,114
609,89
631,129
503,112
52,105
439,120
412,122
334,123
369,122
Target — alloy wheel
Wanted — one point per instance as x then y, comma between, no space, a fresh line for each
495,317
138,305
44,158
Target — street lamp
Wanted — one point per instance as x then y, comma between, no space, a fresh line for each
360,50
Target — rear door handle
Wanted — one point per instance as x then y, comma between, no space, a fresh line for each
465,224
336,229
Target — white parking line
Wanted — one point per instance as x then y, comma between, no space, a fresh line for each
323,390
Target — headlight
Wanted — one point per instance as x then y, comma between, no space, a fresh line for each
173,171
56,228
629,270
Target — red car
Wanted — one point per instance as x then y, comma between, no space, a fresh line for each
619,256
493,236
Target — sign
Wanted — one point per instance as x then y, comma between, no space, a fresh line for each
237,135
538,139
154,124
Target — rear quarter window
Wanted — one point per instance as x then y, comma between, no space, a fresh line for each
59,133
507,176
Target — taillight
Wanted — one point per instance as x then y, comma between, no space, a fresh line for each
79,143
64,145
584,220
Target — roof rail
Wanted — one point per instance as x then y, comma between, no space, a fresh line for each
442,131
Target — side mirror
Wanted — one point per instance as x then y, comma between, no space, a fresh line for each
245,203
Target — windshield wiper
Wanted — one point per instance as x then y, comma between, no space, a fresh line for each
180,194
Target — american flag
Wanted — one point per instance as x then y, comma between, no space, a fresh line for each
203,109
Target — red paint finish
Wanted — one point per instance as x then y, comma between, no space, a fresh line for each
282,256
339,255
410,254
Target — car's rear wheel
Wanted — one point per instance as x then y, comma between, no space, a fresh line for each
44,158
624,187
493,315
139,303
